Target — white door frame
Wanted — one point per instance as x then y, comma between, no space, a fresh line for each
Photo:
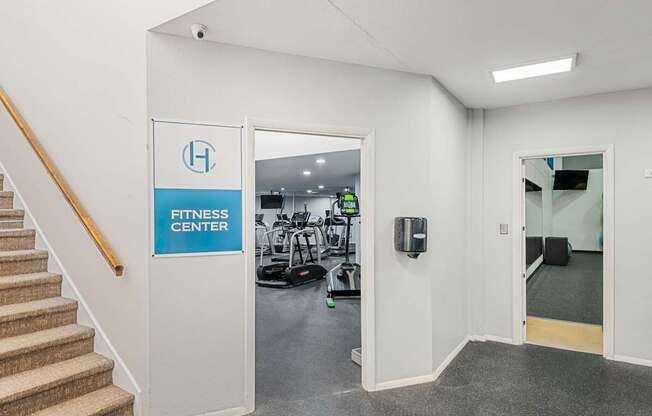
519,312
367,202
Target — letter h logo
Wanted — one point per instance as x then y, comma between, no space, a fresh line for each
198,156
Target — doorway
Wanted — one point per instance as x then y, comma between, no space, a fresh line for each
297,346
563,252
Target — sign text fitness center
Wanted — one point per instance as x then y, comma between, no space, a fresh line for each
187,220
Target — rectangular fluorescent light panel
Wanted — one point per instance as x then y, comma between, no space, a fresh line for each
534,70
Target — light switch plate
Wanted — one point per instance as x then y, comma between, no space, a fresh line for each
648,173
504,229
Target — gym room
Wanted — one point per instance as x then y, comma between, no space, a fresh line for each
564,244
307,245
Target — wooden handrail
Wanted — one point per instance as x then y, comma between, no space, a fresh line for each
83,216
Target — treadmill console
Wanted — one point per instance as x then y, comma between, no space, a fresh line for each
349,205
300,220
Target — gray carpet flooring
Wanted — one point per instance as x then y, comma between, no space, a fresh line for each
490,379
303,367
570,293
303,348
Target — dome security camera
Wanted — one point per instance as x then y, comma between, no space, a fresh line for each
198,31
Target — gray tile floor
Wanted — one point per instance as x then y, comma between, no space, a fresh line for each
570,293
303,368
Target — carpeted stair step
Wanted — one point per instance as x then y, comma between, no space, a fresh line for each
30,351
28,392
23,261
21,288
12,214
6,199
5,225
109,401
11,218
38,315
17,239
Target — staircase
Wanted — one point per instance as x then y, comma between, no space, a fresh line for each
47,363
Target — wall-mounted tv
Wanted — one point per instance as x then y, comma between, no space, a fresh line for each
571,180
271,201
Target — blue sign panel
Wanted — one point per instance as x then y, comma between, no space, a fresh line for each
197,221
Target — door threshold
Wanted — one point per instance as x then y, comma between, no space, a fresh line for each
566,335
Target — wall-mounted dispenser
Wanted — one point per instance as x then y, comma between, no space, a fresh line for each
411,235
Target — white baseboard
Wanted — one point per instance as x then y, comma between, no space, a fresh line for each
429,378
450,358
404,382
236,411
502,340
492,338
633,360
534,266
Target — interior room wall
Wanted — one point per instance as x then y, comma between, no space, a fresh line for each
581,162
316,205
534,214
578,214
622,119
538,171
420,133
76,71
446,194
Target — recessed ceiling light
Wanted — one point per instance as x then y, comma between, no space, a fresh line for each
321,187
535,70
309,191
307,173
282,189
346,189
320,161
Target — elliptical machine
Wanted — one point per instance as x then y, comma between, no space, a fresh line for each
344,279
284,275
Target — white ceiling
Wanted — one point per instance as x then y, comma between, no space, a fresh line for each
337,173
457,41
274,144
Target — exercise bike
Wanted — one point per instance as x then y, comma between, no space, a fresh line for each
284,275
344,279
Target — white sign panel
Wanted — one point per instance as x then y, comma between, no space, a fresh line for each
197,192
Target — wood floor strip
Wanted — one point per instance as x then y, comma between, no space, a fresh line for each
566,335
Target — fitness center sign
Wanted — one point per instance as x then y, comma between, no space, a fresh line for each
197,195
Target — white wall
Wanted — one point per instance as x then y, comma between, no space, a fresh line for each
316,206
538,209
573,214
197,315
578,214
446,193
76,71
622,119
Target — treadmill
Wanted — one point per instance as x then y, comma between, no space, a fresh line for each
284,275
